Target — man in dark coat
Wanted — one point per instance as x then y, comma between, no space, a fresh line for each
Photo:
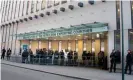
128,62
31,56
113,60
8,54
62,57
3,53
25,56
56,57
75,57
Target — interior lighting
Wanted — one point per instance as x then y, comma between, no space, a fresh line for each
131,32
98,35
79,35
86,36
76,39
118,10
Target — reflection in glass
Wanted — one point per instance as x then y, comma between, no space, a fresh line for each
130,36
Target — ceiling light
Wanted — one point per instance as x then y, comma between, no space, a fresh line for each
79,35
98,35
118,10
131,32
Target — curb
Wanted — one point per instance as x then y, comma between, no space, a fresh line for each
46,72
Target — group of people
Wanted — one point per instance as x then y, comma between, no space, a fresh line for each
90,58
6,53
115,59
44,56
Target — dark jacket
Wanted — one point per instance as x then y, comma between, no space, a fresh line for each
56,55
129,58
25,54
75,55
8,52
84,56
62,55
3,52
70,55
113,57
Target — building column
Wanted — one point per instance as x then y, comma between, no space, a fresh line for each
110,44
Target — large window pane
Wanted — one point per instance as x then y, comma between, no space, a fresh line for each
130,36
117,40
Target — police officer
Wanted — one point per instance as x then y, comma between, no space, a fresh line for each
113,60
3,53
128,62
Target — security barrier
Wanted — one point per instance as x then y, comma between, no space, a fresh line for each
56,60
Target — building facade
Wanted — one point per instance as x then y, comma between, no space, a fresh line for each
66,24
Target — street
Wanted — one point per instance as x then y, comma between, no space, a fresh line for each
15,73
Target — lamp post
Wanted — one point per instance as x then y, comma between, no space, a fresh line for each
122,41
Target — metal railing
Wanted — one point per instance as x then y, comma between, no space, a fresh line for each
61,61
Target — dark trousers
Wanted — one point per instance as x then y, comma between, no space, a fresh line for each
2,56
128,65
8,57
113,66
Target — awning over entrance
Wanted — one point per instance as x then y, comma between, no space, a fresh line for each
72,30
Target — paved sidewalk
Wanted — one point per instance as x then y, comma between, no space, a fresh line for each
76,72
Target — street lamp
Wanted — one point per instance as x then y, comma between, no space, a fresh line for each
122,41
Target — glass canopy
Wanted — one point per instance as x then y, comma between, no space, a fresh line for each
72,30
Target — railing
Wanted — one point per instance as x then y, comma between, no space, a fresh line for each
56,60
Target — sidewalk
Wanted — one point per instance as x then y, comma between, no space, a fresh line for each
75,72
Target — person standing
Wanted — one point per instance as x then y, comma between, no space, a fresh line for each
31,56
8,54
62,57
3,53
75,58
113,61
56,57
25,56
128,62
101,59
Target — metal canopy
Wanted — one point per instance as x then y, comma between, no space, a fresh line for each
72,30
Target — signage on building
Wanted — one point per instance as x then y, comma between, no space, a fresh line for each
74,30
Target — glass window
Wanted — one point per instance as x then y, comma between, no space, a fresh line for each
132,13
8,10
15,8
19,8
37,6
49,43
69,45
27,7
32,6
117,40
23,8
49,3
43,4
84,45
93,45
56,2
130,37
60,47
63,1
76,45
3,12
118,14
